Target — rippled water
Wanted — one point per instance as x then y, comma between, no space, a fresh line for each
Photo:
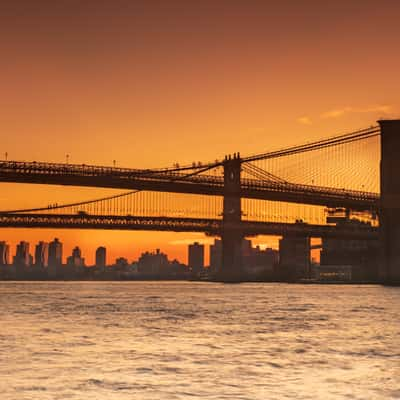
181,340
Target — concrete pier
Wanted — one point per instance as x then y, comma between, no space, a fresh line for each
232,265
390,201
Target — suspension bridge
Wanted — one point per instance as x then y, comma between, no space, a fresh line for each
293,191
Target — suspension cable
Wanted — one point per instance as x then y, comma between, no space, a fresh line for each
333,141
82,203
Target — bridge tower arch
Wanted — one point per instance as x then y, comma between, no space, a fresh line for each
232,235
389,218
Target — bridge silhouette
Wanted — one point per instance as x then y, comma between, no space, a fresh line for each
290,191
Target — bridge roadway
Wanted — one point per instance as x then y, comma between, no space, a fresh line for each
209,226
178,181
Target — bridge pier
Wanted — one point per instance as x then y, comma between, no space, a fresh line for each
389,217
232,235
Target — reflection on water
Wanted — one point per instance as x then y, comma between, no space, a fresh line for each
180,340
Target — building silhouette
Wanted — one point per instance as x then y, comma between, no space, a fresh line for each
153,264
76,260
261,264
247,253
216,255
22,257
55,258
196,257
101,257
361,257
121,264
4,254
294,257
42,255
22,260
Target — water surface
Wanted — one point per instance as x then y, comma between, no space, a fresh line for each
185,340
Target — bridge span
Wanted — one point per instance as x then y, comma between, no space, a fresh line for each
179,181
205,225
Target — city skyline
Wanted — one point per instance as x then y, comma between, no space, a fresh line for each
340,260
91,256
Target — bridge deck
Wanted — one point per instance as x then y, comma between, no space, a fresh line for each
178,182
209,226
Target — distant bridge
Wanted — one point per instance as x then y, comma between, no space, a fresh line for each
209,226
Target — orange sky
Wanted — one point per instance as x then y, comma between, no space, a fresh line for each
150,83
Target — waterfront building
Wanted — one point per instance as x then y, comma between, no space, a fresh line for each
76,260
22,257
121,264
4,253
196,257
261,264
42,255
362,256
294,257
101,257
216,255
55,258
153,263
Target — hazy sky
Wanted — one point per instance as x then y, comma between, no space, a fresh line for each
150,83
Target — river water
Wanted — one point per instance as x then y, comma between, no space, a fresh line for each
187,340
